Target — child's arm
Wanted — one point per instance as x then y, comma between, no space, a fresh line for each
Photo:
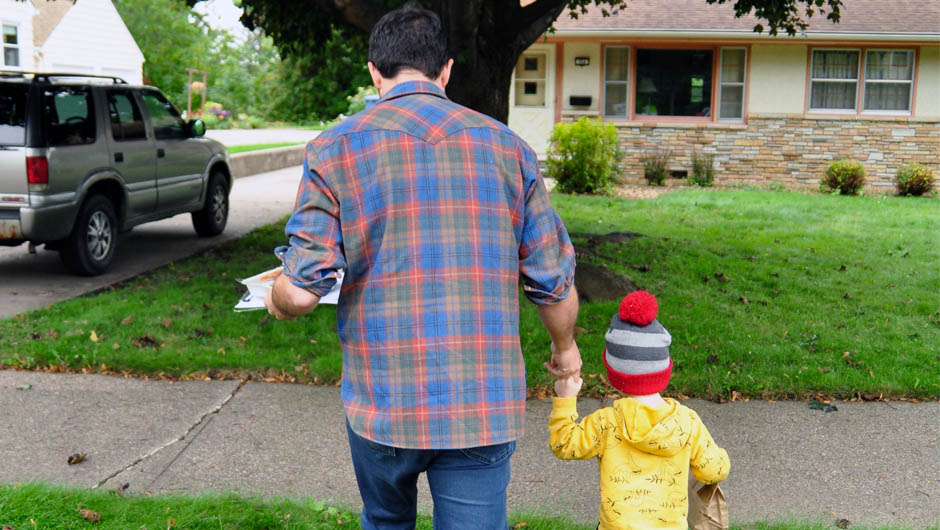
709,463
569,438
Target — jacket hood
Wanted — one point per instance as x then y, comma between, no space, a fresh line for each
663,431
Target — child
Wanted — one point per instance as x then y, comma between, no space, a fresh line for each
644,444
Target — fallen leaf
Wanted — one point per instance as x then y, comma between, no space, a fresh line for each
89,515
7,527
121,488
24,387
166,322
51,334
170,523
127,320
743,299
93,336
847,296
720,276
36,335
842,268
736,396
871,373
77,458
712,359
521,524
116,346
870,397
843,523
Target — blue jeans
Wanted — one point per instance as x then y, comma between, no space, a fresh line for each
468,486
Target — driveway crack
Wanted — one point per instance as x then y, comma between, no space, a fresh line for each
196,428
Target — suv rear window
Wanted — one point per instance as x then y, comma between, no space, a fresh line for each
69,115
13,114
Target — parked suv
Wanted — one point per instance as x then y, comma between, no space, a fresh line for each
83,158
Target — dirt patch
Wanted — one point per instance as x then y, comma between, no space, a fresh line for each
636,192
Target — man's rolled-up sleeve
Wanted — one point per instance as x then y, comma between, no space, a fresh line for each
546,256
314,255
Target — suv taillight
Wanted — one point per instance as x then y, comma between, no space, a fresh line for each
37,170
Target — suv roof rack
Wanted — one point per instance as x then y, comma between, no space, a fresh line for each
44,76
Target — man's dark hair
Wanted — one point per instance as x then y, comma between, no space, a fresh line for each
408,38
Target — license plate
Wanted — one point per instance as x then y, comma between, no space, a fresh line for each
10,229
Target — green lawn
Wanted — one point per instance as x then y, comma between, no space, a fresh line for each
257,147
32,506
765,294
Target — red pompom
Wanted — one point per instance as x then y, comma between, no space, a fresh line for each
638,307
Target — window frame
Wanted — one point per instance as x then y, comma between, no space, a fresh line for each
860,82
810,80
630,90
864,81
18,46
722,84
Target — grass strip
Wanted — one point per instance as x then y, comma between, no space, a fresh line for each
257,147
769,295
28,506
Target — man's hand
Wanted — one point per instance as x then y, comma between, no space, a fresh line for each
566,362
566,387
286,301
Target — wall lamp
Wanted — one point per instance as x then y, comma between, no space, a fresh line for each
582,61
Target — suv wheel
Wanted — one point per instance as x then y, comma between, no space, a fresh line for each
210,221
90,248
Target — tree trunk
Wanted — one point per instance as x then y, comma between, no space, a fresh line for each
484,85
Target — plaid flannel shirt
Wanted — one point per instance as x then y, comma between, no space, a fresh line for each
435,212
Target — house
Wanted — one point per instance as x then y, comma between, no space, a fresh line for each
689,76
87,36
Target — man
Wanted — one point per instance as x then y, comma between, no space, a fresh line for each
435,212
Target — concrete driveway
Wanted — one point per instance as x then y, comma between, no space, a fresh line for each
231,137
31,281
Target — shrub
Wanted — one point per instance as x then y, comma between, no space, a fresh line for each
584,157
703,169
914,179
358,101
845,176
656,166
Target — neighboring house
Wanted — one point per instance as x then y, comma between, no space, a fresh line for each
87,36
688,76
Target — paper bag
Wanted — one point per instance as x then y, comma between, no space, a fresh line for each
708,509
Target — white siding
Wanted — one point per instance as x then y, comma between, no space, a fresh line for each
928,83
19,14
92,38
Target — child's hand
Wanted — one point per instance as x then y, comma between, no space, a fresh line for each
566,387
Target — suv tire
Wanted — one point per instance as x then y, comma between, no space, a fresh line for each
211,220
90,248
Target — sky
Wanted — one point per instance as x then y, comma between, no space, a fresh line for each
222,14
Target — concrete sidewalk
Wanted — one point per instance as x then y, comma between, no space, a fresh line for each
870,463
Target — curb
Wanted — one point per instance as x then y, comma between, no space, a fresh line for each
264,160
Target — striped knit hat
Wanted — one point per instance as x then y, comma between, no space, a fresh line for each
637,352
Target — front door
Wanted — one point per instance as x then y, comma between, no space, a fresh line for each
532,96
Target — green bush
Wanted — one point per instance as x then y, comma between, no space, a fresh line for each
845,176
358,101
584,157
914,179
656,166
703,169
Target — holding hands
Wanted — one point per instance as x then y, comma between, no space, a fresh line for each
566,366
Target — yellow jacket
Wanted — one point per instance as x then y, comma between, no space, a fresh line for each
644,455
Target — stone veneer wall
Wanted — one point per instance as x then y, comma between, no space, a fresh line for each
792,150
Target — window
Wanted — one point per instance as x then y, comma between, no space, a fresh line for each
674,82
889,80
11,46
616,67
165,119
69,116
530,80
731,83
13,114
834,80
126,120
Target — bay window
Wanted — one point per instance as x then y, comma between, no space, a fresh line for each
674,83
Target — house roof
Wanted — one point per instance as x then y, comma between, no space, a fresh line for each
47,18
858,17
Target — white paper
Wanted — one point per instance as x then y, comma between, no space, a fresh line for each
260,285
